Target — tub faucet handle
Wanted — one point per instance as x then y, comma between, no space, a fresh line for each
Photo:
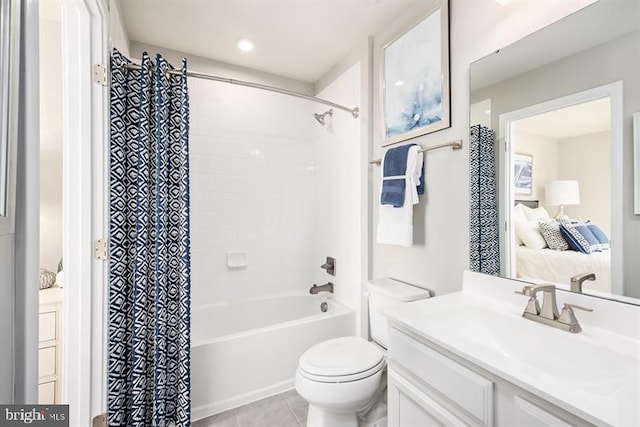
330,266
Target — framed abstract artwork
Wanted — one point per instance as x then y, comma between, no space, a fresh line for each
522,174
415,79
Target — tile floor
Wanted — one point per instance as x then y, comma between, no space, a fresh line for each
283,410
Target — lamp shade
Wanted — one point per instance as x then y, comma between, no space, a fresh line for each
562,193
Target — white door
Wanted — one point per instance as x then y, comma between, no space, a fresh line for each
85,179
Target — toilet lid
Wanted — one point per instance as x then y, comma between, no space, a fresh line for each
342,357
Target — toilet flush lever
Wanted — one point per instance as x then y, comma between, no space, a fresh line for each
330,266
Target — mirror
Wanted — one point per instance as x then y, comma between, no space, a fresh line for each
560,104
8,109
4,103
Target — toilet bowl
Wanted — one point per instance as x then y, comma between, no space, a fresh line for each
344,378
340,379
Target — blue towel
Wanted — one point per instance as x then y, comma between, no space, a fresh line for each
395,164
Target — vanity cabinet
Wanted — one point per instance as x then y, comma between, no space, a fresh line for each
49,346
429,386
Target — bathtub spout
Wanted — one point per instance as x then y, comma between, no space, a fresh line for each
324,288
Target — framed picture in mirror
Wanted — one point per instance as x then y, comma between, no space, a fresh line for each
414,73
523,174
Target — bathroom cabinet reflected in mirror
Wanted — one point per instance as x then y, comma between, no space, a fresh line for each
560,104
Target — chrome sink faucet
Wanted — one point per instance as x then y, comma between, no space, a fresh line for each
548,313
576,281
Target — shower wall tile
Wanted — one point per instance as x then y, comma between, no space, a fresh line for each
252,190
339,182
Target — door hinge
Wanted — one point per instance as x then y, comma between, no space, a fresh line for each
100,420
100,74
101,249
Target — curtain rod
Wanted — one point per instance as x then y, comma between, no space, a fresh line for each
455,145
355,111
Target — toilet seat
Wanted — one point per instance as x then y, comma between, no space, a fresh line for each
340,360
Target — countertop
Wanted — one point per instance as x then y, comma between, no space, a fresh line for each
594,374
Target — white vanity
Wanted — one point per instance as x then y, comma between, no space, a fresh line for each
470,358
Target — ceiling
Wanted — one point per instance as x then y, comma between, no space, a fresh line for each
299,39
612,19
581,119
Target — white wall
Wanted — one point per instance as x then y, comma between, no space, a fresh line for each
555,159
251,191
441,220
50,135
593,172
339,190
119,36
480,113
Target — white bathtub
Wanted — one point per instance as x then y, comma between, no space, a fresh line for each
247,351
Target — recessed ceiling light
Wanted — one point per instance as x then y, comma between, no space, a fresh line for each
399,83
245,45
503,2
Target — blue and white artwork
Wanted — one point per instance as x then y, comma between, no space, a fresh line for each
414,81
522,173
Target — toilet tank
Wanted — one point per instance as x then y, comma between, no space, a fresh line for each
388,293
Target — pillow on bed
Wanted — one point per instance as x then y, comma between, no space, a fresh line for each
550,231
580,238
519,216
530,235
537,214
603,241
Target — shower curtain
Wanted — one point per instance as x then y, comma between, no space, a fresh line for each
484,248
149,265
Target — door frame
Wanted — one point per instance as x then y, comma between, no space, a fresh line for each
85,38
505,159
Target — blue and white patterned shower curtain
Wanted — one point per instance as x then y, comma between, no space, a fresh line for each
149,267
484,234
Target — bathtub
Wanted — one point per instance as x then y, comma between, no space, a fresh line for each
243,352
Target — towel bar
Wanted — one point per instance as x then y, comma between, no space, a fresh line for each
455,145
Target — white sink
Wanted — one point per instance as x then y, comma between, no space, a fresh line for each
534,347
583,372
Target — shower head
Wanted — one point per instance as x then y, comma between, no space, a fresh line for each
321,118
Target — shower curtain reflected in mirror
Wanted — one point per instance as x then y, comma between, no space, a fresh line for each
149,266
484,246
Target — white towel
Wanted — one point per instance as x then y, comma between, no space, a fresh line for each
395,225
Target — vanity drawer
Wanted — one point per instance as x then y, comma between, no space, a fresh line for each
460,385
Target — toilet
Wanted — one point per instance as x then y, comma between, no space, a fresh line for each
344,379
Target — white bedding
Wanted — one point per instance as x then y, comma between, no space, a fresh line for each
560,266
